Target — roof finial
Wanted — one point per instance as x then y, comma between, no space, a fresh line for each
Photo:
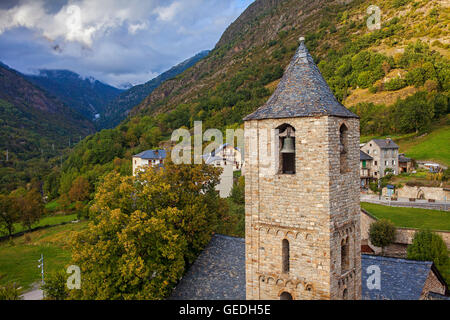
301,39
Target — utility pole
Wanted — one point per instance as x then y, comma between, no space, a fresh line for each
41,265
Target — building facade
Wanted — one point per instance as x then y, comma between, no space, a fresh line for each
302,191
148,158
365,167
385,156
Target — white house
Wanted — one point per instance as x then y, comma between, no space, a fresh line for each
149,158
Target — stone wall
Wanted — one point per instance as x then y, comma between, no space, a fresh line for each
438,194
314,209
404,236
432,284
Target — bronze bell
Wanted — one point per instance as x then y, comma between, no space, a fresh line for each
288,145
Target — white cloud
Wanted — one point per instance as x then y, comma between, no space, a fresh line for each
115,41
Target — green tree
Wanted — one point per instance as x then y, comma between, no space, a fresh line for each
55,287
429,246
382,233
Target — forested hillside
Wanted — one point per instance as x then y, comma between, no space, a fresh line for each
396,77
33,128
86,95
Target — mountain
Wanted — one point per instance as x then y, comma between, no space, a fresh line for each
31,119
86,95
396,78
118,108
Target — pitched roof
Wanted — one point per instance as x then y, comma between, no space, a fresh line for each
401,279
364,156
152,154
402,158
217,274
302,92
385,143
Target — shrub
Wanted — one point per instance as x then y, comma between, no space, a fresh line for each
428,246
55,286
395,84
9,292
382,233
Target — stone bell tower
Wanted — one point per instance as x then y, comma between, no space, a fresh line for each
302,191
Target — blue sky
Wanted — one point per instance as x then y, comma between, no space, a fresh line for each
115,41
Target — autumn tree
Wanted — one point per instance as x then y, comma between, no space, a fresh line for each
28,205
144,230
8,214
79,190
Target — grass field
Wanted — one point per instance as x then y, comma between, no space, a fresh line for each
433,146
47,221
19,260
410,217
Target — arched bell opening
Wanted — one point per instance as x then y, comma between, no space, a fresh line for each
286,136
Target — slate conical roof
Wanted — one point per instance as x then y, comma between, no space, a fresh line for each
302,92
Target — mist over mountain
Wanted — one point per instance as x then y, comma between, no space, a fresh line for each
118,108
87,96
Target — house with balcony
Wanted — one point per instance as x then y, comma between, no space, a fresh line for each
385,156
365,167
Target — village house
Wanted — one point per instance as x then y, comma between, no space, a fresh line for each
148,158
225,155
365,166
405,164
385,156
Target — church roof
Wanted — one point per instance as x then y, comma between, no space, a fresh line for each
302,92
219,274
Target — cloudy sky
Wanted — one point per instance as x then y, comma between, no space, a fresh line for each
115,41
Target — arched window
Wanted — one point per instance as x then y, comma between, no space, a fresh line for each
345,294
343,148
285,255
286,135
286,296
344,255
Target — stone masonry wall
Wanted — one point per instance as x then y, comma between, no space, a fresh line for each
313,209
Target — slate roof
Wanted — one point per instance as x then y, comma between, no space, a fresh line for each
302,92
364,156
402,158
152,154
385,143
401,279
217,274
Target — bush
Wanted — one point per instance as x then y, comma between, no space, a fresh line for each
55,286
9,292
382,233
428,246
395,84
